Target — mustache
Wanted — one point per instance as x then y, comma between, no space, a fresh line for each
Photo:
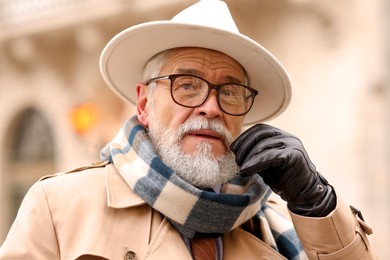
201,124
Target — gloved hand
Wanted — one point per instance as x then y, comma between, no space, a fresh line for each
281,160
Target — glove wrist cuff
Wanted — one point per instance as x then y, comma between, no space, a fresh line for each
325,205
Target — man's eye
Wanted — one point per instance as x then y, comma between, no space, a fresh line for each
187,86
230,93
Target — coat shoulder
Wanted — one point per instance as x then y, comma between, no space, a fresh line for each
90,177
78,170
96,165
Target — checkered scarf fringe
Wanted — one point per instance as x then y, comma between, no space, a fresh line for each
195,212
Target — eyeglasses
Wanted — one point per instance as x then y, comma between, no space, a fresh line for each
193,91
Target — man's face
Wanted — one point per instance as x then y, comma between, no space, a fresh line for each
214,67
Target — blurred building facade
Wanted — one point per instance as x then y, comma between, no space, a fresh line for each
56,111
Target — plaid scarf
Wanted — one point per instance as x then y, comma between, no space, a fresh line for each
195,212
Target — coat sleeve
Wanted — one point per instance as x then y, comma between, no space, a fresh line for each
32,235
340,235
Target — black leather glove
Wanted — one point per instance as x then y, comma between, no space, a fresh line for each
281,160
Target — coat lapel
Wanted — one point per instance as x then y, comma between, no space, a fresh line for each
119,194
239,244
167,244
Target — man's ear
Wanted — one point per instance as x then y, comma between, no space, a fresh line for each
142,104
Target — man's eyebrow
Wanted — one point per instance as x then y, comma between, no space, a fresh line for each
190,72
231,79
227,79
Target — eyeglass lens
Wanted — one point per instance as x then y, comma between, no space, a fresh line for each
191,91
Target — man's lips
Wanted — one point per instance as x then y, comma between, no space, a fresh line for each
204,133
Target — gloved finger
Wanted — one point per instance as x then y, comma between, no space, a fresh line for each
254,135
275,159
270,144
260,130
280,140
276,153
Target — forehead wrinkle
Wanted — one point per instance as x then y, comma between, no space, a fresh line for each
191,71
202,64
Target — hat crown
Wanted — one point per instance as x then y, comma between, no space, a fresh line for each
210,13
206,24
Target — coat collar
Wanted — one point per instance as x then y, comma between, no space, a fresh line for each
119,194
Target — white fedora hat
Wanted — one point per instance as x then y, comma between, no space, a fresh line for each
206,24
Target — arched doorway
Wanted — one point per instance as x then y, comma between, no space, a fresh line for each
29,154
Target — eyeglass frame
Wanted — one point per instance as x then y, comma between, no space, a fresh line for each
217,87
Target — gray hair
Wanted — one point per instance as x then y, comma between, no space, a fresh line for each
153,68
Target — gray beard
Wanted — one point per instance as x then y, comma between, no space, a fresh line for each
202,169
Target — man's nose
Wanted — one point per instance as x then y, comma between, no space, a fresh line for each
210,107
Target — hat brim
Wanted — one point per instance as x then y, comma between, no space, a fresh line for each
123,60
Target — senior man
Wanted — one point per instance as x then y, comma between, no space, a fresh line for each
180,180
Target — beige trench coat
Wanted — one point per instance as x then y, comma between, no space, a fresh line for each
93,214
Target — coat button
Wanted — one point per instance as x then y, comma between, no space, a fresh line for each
129,255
